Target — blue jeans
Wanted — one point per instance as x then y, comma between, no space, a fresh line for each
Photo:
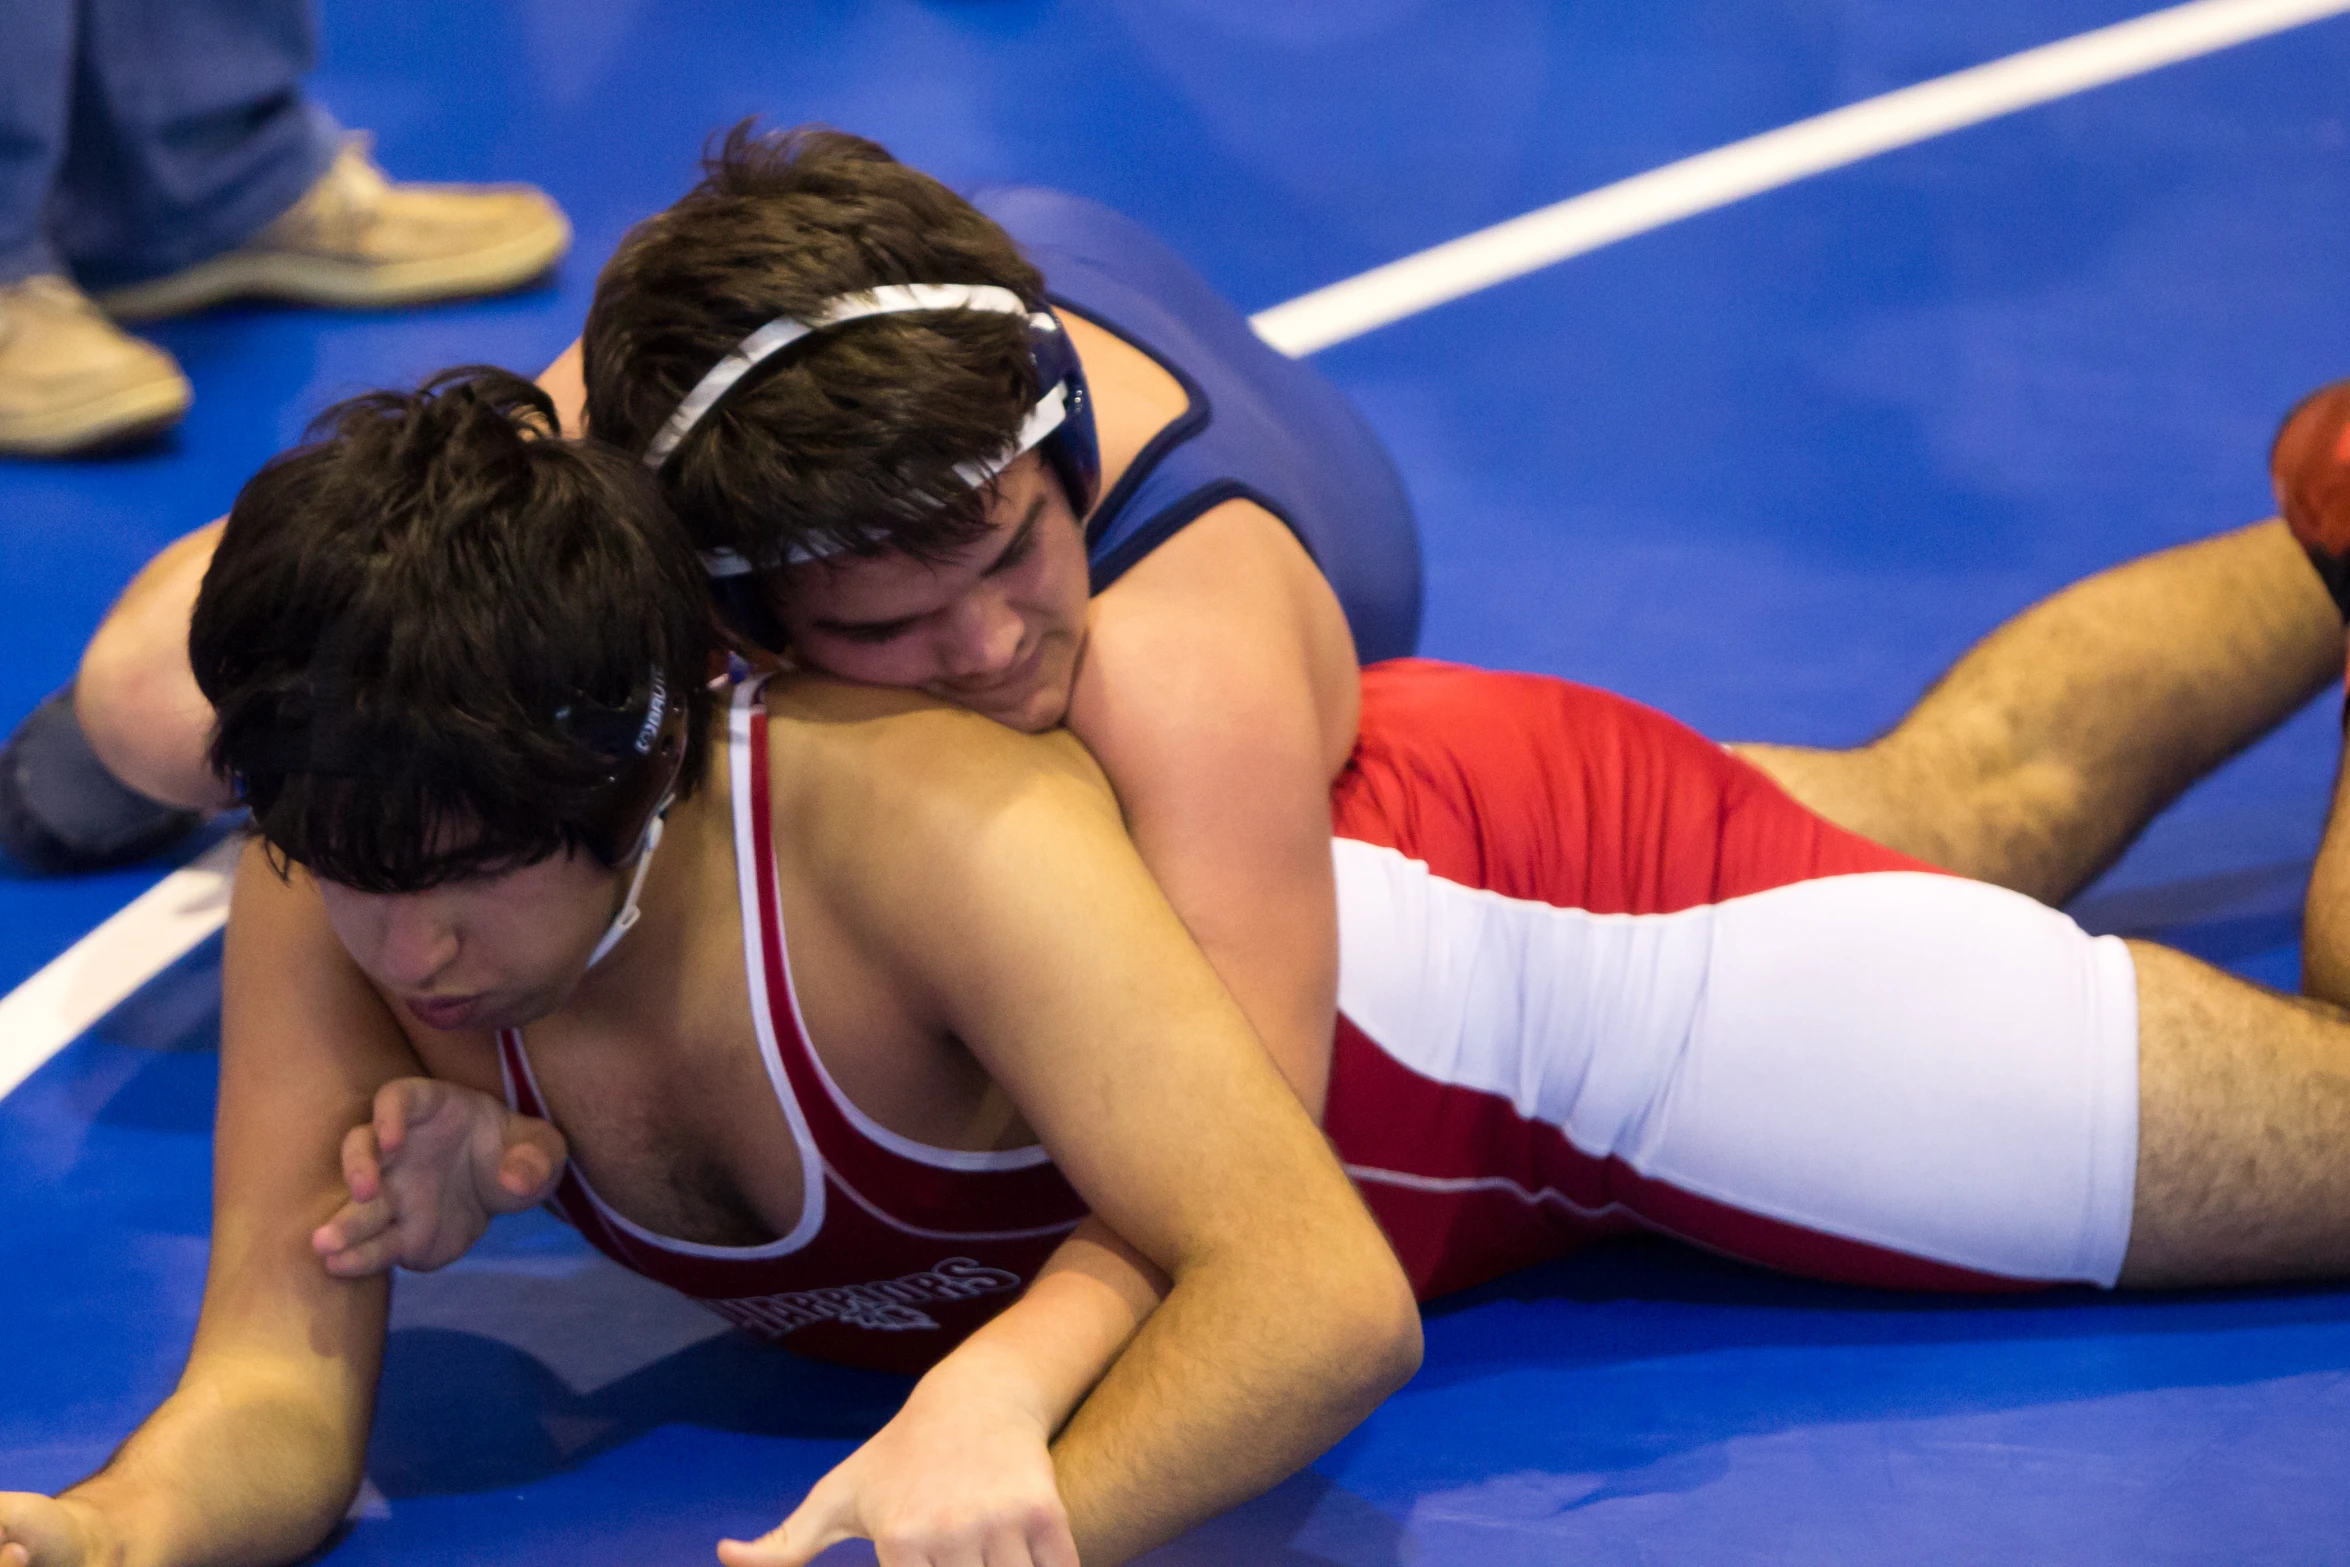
141,136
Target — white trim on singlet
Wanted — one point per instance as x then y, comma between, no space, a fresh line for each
903,1228
812,1171
1452,1185
873,1131
801,1234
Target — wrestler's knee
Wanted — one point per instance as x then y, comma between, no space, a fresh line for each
2013,824
1871,791
135,698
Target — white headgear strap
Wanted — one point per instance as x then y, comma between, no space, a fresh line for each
1049,414
779,334
625,921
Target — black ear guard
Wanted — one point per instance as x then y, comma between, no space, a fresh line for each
645,743
745,606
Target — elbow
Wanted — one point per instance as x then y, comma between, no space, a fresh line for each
1377,1338
1397,1346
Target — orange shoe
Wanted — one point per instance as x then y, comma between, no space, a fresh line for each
2310,467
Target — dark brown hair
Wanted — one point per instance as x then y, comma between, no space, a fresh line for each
406,616
847,440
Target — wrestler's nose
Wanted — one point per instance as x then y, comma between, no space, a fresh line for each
414,945
981,636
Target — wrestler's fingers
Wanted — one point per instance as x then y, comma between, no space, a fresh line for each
41,1531
530,1162
355,1224
820,1522
362,1164
953,1551
1042,1539
365,1259
1051,1543
400,1105
1007,1548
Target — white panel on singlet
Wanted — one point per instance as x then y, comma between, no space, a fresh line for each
1913,1061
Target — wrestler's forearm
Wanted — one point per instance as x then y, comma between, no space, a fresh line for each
1240,1378
231,1470
1044,1352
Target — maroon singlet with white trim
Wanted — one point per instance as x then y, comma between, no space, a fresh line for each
901,1249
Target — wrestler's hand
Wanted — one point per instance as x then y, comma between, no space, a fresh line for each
429,1172
952,1480
40,1531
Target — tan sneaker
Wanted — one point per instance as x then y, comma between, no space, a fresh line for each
359,241
71,380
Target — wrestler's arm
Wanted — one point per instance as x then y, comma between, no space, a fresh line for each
134,695
964,1470
1220,693
1007,898
256,1454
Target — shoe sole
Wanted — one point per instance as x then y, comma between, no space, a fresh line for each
345,285
120,418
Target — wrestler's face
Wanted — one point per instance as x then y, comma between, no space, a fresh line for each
481,952
997,627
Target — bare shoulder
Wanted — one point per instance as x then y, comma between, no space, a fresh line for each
868,784
900,747
1228,628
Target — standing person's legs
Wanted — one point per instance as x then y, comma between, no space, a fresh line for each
189,132
200,173
36,84
2045,750
68,379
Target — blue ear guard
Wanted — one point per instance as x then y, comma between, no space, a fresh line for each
1075,449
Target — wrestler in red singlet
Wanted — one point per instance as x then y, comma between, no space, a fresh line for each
1595,973
901,1249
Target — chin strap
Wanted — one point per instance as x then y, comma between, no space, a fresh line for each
625,921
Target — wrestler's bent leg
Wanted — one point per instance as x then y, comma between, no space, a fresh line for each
2325,920
1603,974
2044,751
135,696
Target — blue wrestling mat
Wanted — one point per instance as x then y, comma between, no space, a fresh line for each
1769,468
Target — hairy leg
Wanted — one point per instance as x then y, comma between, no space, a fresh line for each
135,696
2244,1130
2052,743
2325,920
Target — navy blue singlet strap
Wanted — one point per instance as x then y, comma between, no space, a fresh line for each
1260,427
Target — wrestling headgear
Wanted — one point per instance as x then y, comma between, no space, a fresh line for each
642,743
1060,423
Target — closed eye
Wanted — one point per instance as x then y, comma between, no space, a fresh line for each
1023,545
873,633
